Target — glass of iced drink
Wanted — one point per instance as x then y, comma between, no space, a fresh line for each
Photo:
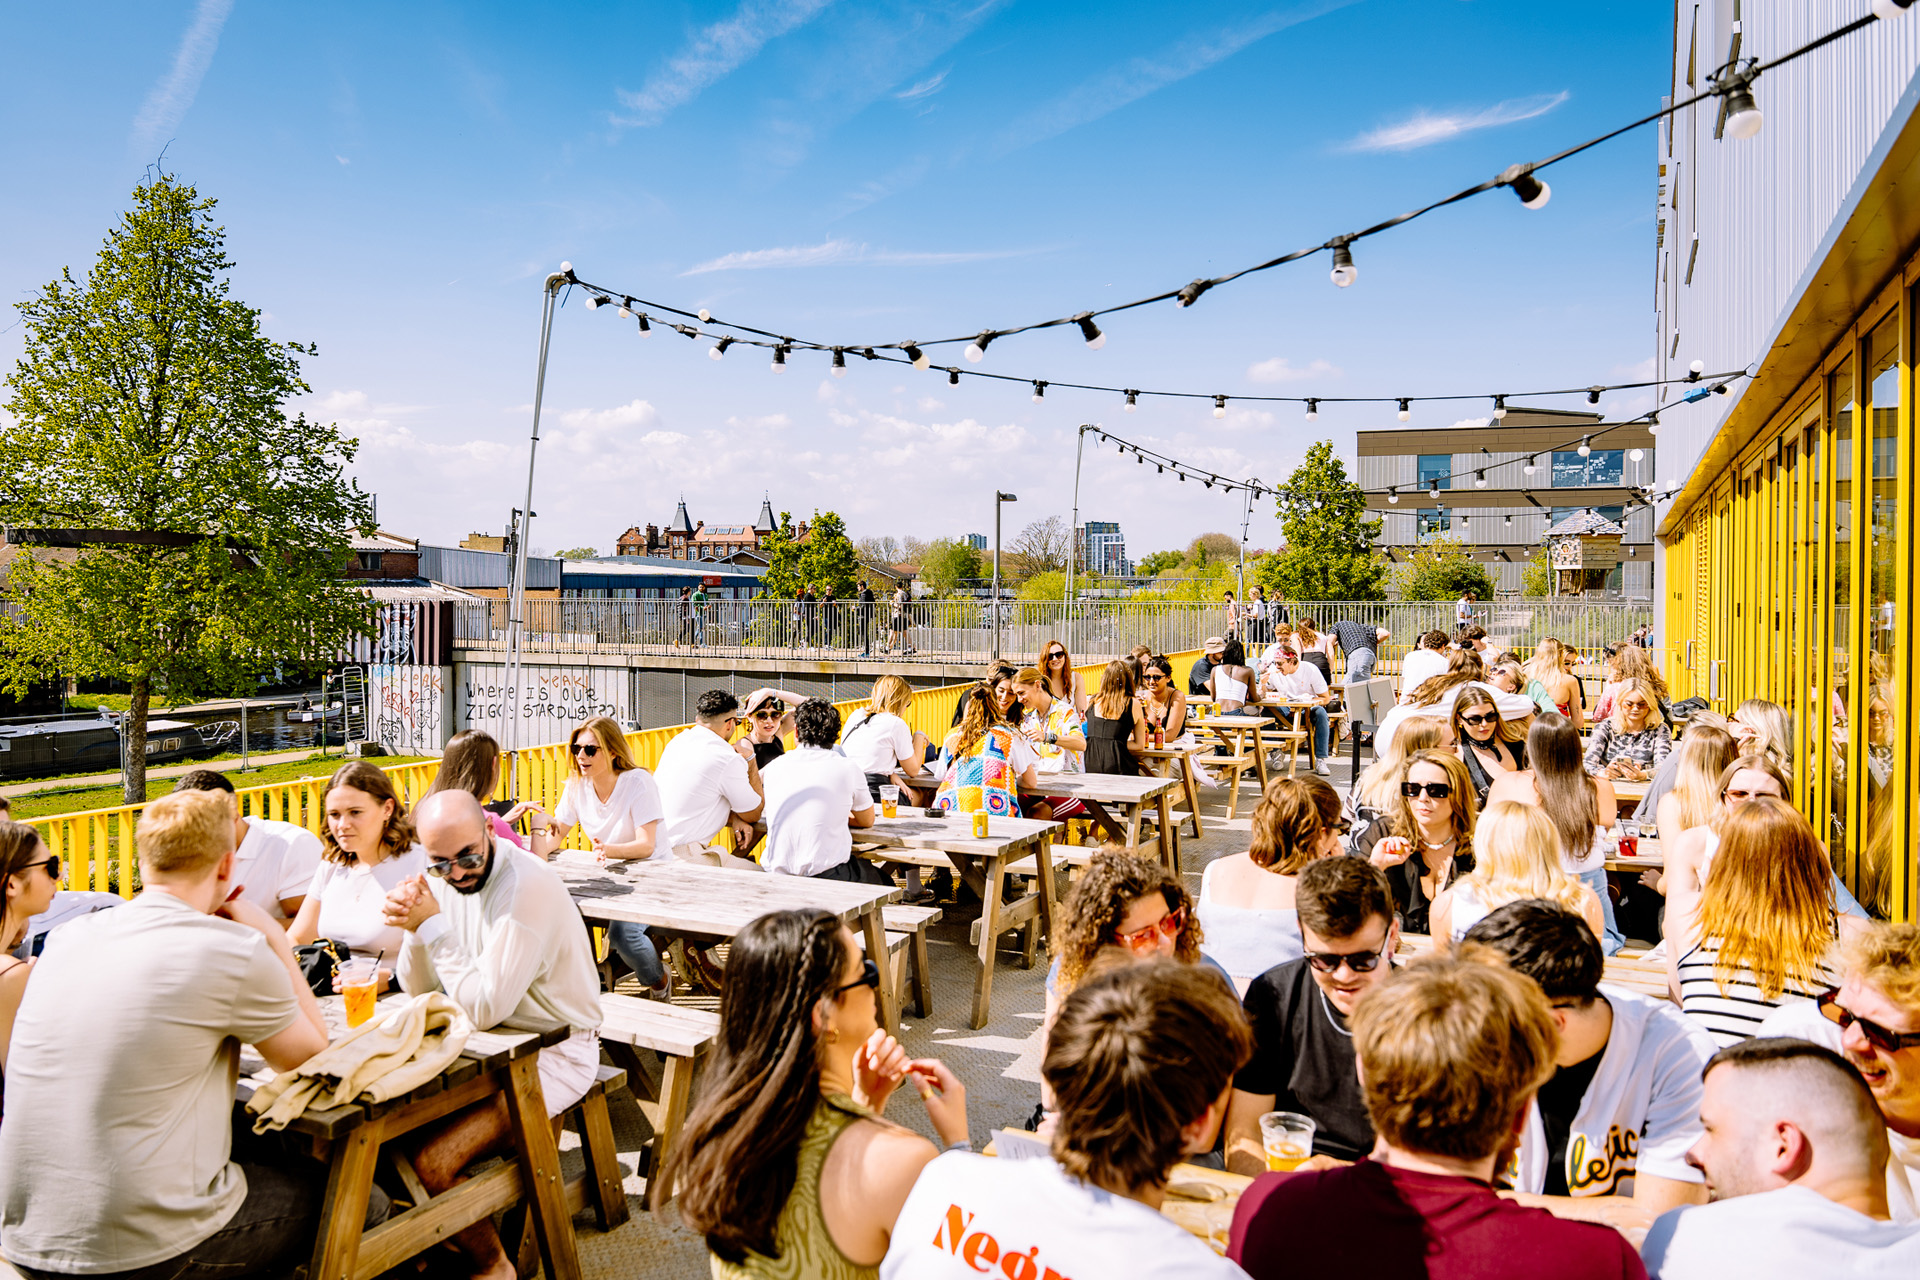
1288,1139
359,984
889,801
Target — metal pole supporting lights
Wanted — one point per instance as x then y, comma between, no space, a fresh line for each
994,603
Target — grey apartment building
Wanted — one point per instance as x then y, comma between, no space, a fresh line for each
1499,487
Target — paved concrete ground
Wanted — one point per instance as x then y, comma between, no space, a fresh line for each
998,1063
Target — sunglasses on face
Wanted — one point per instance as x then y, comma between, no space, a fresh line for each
767,713
1055,657
587,749
51,863
1878,1036
1144,940
1436,790
1480,721
869,977
471,860
1153,677
1357,961
1741,797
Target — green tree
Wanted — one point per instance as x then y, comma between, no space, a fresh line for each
1210,547
1536,578
1152,566
576,553
1441,569
1329,553
1186,583
947,564
785,573
148,406
828,558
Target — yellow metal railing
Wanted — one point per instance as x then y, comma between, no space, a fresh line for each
96,846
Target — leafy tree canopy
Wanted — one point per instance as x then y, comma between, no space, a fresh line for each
1441,569
1329,553
576,553
946,564
148,402
1157,563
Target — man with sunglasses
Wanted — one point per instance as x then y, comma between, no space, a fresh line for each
495,929
1794,1155
1303,1049
1873,1020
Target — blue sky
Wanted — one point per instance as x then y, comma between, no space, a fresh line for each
397,179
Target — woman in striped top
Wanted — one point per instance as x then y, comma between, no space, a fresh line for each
1765,932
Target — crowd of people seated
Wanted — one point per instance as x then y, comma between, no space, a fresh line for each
1419,970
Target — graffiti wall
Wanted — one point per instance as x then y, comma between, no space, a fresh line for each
408,709
553,700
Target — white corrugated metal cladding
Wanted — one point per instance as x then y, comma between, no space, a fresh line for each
1743,221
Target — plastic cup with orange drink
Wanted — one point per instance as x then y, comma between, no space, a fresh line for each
359,985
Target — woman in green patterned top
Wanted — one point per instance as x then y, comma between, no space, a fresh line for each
786,1165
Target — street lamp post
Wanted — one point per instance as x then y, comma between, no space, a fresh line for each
994,604
1246,518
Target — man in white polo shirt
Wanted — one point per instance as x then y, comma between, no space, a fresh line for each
815,799
705,782
273,862
495,930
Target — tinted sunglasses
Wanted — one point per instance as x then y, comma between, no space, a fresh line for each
1742,795
1479,721
1878,1036
869,977
51,863
1055,656
587,749
465,861
1143,939
1358,961
767,713
1437,790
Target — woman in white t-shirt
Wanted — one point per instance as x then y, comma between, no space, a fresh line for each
1578,805
879,740
617,807
367,848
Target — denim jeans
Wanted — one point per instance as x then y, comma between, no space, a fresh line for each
1360,666
631,943
1596,880
1322,730
271,1233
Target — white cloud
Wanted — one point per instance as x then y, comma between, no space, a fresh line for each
925,89
170,99
716,52
1424,128
764,422
1280,369
343,160
1137,77
831,253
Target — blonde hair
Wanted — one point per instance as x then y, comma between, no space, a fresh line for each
1463,668
1704,755
1452,1049
1627,688
1031,676
1768,899
1631,662
611,740
1773,733
1116,690
1516,854
185,833
1381,782
892,695
1887,958
1548,657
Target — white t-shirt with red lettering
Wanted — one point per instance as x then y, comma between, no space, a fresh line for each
972,1215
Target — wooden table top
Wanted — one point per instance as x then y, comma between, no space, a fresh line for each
914,830
1173,752
1107,788
670,893
1231,721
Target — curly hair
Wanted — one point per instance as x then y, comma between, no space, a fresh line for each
398,835
1114,880
1288,821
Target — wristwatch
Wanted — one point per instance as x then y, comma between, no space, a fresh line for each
1053,739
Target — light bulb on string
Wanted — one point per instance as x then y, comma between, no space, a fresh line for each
1499,407
596,301
646,330
1219,406
953,376
780,359
1090,331
626,309
1479,479
1039,392
1133,401
1593,394
1695,369
839,369
1529,468
1743,114
917,356
1586,446
1313,410
1159,470
1434,492
1508,520
977,349
1720,388
1888,10
1208,482
1653,424
1140,457
1182,475
1393,494
1344,272
1405,412
719,349
1533,193
704,315
1636,455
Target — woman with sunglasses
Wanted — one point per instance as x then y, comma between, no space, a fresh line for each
1380,785
1516,854
1631,743
1426,840
1246,899
786,1164
617,807
367,847
1766,929
1163,704
1126,902
1576,804
1062,680
29,877
1487,746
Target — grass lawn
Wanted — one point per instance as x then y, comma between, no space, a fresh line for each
56,799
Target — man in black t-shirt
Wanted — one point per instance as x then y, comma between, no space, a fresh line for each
1303,1052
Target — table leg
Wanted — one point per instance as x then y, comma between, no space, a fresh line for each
1043,858
1190,785
989,939
540,1164
343,1214
676,1087
1169,835
1133,826
1105,822
1259,756
889,993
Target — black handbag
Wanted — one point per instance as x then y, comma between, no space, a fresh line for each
319,961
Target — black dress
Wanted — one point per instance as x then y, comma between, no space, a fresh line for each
1107,741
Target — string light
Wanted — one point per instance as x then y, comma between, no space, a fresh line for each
704,314
839,369
719,349
1695,369
1888,10
1586,446
1499,407
977,349
646,330
1593,394
953,376
1533,193
1743,114
1090,331
1344,272
1479,479
1529,468
1405,413
595,301
1393,493
1219,406
1720,388
1039,392
779,359
916,356
626,309
1133,401
1635,455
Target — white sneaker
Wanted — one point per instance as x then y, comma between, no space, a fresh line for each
1320,767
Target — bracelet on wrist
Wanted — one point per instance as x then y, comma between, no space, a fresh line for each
965,1144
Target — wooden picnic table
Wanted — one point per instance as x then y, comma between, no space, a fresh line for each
1651,855
1299,732
666,892
1164,760
1132,795
1241,735
348,1139
918,839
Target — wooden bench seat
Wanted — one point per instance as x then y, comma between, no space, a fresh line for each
681,1037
